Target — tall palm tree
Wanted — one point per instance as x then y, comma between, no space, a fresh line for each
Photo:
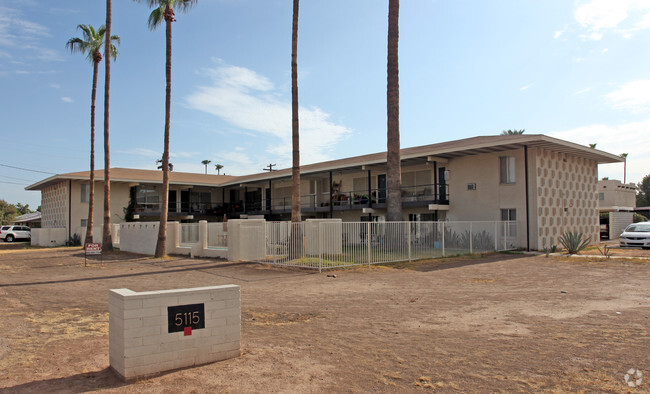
624,156
393,158
218,167
295,129
205,163
91,44
164,11
593,146
107,237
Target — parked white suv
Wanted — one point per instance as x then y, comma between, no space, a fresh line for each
636,235
12,233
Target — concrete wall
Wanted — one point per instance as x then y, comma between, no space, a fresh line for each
246,239
563,197
332,236
49,236
490,197
616,194
618,221
139,341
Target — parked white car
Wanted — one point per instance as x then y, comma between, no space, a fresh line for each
12,233
636,235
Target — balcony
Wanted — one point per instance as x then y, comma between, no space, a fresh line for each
412,196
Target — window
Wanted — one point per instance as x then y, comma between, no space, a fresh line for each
507,169
84,222
85,192
601,196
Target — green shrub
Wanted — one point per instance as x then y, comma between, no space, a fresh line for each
573,241
639,218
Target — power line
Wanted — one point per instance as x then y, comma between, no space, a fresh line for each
16,183
27,169
17,179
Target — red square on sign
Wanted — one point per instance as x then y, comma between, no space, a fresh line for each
187,331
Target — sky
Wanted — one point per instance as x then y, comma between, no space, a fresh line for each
578,70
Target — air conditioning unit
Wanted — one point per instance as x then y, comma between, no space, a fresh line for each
471,186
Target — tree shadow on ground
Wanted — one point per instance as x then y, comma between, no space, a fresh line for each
448,263
88,381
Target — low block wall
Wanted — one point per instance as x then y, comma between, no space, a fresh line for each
140,340
49,236
246,239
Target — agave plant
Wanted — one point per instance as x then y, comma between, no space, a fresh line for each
573,241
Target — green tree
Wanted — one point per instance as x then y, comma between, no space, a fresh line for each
393,154
164,11
592,146
91,45
205,163
23,209
643,194
218,167
107,236
513,132
7,212
295,127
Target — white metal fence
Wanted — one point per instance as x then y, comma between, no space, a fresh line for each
218,235
324,245
189,233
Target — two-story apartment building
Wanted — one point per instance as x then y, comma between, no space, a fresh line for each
545,184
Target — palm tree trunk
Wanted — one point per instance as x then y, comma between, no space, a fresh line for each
91,200
161,245
295,249
107,238
393,160
295,129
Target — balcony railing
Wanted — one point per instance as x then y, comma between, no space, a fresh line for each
319,202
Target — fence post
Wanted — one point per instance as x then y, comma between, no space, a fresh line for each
320,247
504,236
443,239
368,241
496,236
409,239
471,249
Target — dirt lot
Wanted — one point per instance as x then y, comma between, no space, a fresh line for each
500,323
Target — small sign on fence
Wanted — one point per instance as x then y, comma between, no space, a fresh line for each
92,249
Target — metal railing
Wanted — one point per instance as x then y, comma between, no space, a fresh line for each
189,234
218,235
322,245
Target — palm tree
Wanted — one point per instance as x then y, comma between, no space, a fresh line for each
91,44
164,11
218,167
592,146
513,132
624,156
295,129
205,163
107,237
393,159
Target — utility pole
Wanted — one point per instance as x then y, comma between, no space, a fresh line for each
270,168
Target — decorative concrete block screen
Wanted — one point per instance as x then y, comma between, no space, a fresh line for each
156,331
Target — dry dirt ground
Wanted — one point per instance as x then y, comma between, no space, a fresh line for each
498,323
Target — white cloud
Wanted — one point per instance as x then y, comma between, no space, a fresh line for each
582,91
620,16
67,99
525,87
249,101
617,139
633,96
558,33
604,50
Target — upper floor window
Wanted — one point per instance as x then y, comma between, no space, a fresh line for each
85,192
601,196
507,169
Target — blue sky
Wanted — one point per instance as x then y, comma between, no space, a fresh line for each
577,70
